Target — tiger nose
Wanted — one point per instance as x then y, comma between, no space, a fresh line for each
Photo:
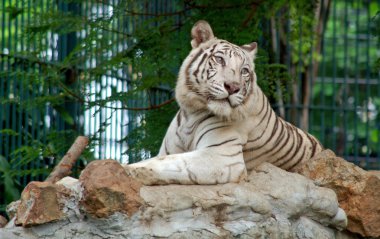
231,88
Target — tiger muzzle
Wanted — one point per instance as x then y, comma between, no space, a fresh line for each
232,88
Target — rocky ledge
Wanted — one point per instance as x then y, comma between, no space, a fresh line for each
105,203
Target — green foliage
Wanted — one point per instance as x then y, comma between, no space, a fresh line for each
148,136
8,181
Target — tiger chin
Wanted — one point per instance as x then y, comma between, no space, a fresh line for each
225,126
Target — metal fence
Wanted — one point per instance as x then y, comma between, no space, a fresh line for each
342,105
345,103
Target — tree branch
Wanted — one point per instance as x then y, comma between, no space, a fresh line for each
152,107
64,167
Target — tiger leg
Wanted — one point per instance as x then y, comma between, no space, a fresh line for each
204,166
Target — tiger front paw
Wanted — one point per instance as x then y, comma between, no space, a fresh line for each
142,174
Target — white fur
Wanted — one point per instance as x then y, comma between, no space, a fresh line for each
205,141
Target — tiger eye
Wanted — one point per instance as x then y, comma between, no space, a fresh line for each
219,60
244,71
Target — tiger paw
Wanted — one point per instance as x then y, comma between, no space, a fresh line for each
142,174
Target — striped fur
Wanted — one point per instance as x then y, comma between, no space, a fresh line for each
225,125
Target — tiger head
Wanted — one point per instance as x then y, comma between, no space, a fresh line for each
217,76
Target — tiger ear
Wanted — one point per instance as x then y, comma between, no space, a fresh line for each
201,32
250,48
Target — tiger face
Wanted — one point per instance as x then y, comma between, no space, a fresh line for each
217,76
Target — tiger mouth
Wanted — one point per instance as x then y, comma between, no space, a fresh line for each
221,101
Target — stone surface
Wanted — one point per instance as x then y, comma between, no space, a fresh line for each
43,202
11,208
292,195
108,189
39,204
3,221
358,191
271,204
375,173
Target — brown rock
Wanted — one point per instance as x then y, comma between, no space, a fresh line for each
358,191
11,208
3,221
39,204
375,173
108,189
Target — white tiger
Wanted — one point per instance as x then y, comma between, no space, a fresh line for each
225,125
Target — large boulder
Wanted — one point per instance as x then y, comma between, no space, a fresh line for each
272,203
43,202
358,191
107,189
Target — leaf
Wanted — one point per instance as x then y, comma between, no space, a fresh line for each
4,165
10,190
374,136
9,132
64,114
14,11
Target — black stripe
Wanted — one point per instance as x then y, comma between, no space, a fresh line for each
297,162
179,118
290,131
299,137
313,145
276,144
217,127
166,148
268,109
232,155
281,135
270,116
213,123
200,63
181,140
188,82
213,48
262,108
197,123
284,143
269,138
224,142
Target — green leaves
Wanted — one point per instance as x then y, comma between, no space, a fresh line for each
8,180
14,11
64,114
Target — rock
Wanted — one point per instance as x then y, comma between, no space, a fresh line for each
292,195
11,208
108,189
222,209
358,191
375,173
39,204
271,204
43,202
3,221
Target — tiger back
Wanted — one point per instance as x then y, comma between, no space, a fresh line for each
225,125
